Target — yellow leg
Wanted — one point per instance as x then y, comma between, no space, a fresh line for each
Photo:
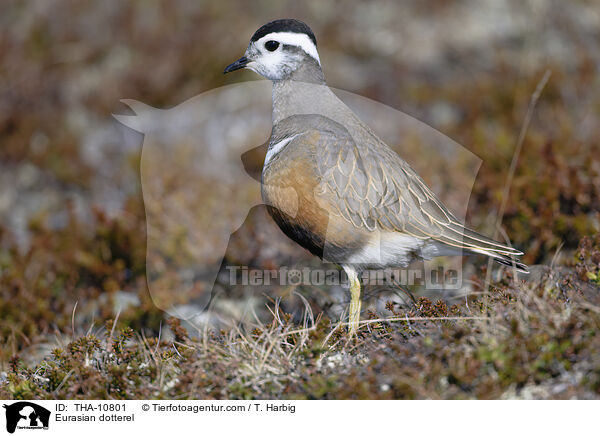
354,313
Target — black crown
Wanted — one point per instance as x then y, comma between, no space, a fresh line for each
284,25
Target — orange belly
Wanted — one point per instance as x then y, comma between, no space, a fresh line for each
289,189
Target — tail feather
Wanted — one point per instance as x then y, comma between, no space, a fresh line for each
472,239
504,260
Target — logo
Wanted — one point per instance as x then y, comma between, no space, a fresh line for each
201,166
26,415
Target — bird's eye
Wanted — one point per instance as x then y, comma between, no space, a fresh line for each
271,45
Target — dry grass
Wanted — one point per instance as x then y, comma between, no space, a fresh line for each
538,339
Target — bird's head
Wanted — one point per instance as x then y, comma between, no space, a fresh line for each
281,50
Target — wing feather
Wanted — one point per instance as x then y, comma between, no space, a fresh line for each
371,187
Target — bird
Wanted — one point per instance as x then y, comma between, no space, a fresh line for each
357,203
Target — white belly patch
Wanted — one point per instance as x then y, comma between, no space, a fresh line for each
386,249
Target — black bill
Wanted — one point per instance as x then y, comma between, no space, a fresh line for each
240,63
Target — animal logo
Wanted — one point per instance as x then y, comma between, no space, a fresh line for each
198,189
26,415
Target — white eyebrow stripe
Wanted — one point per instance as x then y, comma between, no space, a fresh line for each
301,40
276,148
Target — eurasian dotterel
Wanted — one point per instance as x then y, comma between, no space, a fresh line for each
356,202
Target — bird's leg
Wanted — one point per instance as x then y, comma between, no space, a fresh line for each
354,312
354,316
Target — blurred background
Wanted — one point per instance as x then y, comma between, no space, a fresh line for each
72,219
